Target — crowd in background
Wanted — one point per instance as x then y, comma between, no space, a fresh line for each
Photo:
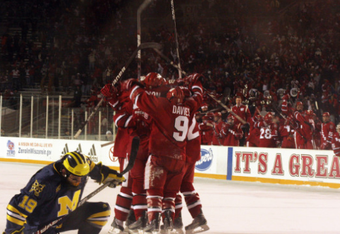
259,50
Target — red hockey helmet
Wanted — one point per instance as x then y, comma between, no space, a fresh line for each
210,115
299,103
153,80
258,117
217,114
285,97
326,114
230,117
309,112
175,95
268,118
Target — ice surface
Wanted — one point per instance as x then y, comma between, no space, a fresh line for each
230,207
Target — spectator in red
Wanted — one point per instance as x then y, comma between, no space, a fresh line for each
327,131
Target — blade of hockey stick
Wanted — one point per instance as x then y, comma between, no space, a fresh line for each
145,45
133,155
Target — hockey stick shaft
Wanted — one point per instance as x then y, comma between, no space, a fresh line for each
176,37
228,109
132,159
117,78
107,143
170,61
139,35
217,137
133,155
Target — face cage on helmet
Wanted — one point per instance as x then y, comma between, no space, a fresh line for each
81,169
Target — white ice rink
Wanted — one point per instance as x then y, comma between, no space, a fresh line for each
230,207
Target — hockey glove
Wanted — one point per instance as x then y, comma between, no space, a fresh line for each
114,178
108,91
110,176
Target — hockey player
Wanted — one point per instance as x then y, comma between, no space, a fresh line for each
336,141
244,113
327,131
254,132
154,85
286,132
207,129
303,134
268,131
193,154
233,133
218,126
163,172
54,192
122,119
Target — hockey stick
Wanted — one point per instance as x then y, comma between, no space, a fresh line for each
228,109
216,134
107,143
133,155
169,61
176,38
139,40
142,46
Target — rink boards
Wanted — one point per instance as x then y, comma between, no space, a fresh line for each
267,165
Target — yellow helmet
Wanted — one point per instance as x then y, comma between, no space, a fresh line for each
75,163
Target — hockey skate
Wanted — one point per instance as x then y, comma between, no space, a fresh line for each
199,224
167,226
178,226
131,218
139,225
116,227
153,227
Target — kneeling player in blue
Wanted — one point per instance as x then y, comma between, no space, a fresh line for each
54,192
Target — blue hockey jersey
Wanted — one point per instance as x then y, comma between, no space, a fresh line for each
46,197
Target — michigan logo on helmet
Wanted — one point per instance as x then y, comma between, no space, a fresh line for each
76,164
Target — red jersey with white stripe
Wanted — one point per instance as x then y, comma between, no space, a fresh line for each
336,144
170,124
326,133
286,132
268,134
242,111
306,124
206,132
233,134
193,150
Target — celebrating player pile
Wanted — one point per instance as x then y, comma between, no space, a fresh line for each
163,116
